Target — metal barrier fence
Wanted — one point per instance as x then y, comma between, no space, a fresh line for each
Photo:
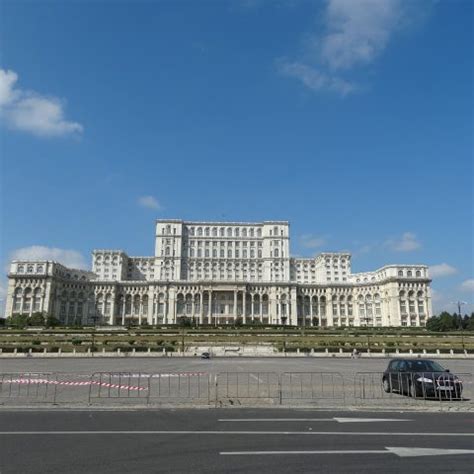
238,387
139,388
43,387
408,388
323,389
313,387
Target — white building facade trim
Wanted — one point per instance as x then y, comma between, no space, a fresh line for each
219,273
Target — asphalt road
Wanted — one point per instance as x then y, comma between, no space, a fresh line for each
346,367
234,441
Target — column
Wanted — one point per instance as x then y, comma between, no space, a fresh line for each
201,307
140,310
124,300
293,308
150,314
329,315
210,307
235,305
171,317
251,305
311,310
244,303
112,308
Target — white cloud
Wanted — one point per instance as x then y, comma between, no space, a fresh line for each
441,270
406,243
69,258
357,31
31,112
351,34
312,241
314,79
150,202
468,285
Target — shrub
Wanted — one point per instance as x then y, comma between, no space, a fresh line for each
17,320
76,342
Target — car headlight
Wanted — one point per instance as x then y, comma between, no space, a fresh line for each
424,380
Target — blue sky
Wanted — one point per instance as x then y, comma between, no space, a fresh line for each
351,119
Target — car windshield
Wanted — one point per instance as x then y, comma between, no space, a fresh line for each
424,366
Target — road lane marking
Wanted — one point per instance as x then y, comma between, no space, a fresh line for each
337,419
258,379
234,432
398,451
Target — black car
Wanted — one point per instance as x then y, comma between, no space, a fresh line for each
206,355
421,378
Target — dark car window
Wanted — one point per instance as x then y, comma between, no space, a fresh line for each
402,365
424,366
393,365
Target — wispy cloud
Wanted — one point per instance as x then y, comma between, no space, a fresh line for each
31,112
312,241
357,31
69,258
352,34
150,202
406,243
314,79
468,285
441,270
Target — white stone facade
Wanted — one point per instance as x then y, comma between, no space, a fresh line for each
216,272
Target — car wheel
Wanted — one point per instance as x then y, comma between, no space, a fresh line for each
386,386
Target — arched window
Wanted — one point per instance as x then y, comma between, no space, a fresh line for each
27,300
251,232
229,231
259,232
221,231
400,273
199,231
17,300
275,253
136,305
409,273
206,231
128,305
108,304
418,273
37,299
29,269
214,231
244,232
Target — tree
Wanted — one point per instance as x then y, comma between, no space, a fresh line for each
51,321
36,319
18,320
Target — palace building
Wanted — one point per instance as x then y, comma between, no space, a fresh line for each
217,273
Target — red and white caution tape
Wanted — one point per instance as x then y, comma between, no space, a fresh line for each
74,384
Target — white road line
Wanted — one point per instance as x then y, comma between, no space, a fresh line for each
398,451
258,379
260,453
337,419
219,432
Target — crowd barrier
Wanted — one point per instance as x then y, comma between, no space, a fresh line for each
321,389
